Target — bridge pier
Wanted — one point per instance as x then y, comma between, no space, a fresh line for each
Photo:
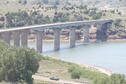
101,34
72,37
56,39
86,33
39,41
24,38
6,37
16,36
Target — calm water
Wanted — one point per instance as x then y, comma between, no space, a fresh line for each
110,55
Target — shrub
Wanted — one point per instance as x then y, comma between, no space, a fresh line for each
76,75
75,72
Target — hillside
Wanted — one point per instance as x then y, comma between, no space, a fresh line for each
97,3
15,5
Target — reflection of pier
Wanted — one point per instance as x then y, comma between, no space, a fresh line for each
20,35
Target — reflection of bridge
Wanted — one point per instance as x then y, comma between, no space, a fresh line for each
19,35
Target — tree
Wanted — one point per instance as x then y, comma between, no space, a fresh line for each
18,64
76,75
117,79
97,16
117,22
22,2
75,72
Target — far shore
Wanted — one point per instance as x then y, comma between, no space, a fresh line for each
79,41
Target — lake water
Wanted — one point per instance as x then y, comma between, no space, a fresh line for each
110,55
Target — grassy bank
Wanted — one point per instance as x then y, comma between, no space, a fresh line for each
54,67
50,67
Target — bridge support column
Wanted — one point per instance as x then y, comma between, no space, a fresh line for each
72,37
56,39
86,34
6,37
39,39
24,38
16,36
101,34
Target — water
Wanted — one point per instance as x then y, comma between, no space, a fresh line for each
110,55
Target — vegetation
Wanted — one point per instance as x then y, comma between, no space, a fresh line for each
17,64
77,72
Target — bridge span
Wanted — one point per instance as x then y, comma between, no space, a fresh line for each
19,35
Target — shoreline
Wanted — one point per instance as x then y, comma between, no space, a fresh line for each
79,41
92,67
101,69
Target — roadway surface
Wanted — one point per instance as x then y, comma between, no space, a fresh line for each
58,25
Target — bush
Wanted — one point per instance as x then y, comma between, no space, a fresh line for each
97,16
17,64
117,22
75,72
76,75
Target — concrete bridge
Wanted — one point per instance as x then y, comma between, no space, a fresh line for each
20,35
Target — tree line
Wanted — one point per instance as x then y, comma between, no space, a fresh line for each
34,17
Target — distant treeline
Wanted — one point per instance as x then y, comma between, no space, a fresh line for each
42,15
35,16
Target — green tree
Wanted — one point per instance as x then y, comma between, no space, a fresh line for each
75,72
117,79
18,64
117,22
97,16
76,75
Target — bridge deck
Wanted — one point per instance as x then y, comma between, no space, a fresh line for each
58,25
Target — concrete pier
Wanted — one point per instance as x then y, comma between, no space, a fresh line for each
56,39
86,33
101,34
24,37
39,41
72,37
6,37
16,37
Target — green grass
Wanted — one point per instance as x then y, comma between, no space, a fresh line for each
54,67
49,68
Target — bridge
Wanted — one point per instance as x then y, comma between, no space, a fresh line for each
19,35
